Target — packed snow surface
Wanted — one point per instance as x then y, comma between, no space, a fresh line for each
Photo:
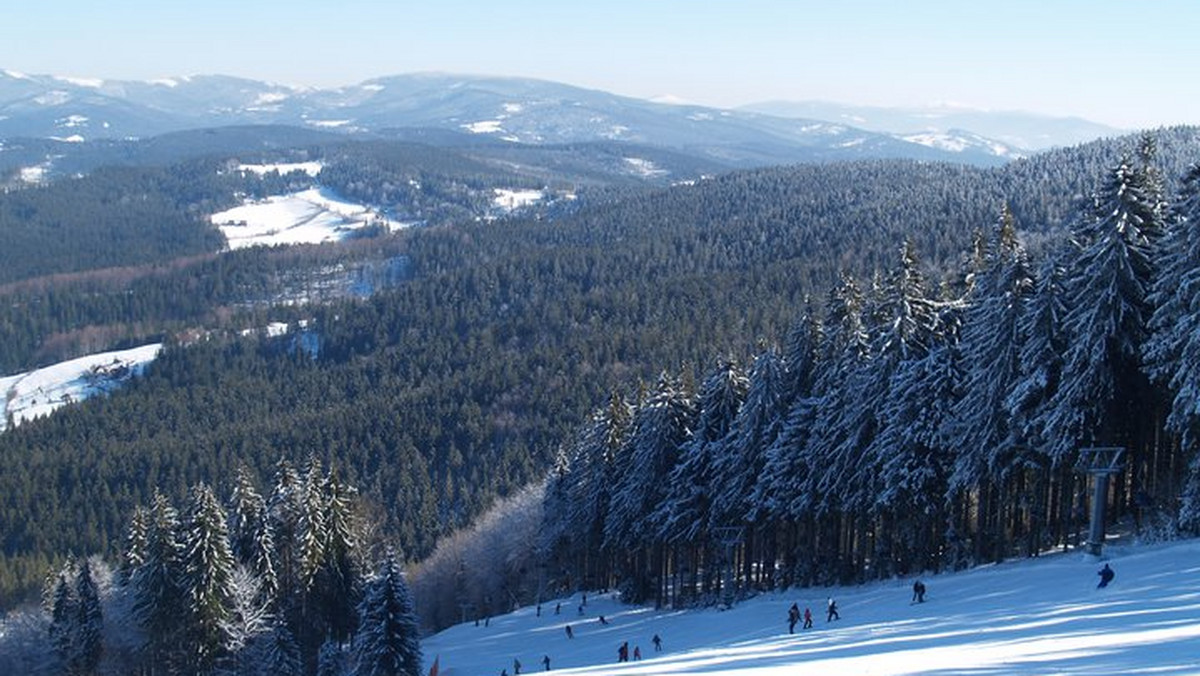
1037,616
29,395
306,217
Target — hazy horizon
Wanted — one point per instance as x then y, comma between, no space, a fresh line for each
1112,62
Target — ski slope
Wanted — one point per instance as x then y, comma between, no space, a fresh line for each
1039,616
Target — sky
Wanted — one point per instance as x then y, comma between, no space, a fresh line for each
1123,63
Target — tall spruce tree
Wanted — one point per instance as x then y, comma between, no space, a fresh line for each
1103,394
388,640
207,581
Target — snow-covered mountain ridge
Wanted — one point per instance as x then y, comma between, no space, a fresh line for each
512,110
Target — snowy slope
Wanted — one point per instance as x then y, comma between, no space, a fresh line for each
306,217
29,395
1041,616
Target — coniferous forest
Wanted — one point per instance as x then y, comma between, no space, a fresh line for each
790,376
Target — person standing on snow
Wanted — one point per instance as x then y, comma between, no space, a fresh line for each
657,640
1106,575
793,618
833,611
807,618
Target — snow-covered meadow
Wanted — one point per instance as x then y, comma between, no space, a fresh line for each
1037,616
40,392
306,217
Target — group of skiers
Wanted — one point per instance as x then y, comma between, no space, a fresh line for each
831,614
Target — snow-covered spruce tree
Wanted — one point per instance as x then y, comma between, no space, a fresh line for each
906,326
388,640
991,348
681,519
250,619
592,482
994,457
64,614
684,514
207,581
88,643
159,599
786,464
282,656
555,536
133,555
845,349
250,535
331,660
283,511
1172,353
1103,397
661,426
914,458
739,459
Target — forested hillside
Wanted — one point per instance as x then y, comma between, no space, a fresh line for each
460,385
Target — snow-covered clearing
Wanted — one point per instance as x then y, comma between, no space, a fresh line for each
509,200
37,393
310,168
483,127
644,168
1037,616
306,217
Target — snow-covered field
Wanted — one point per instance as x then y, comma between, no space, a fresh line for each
1041,616
306,217
28,395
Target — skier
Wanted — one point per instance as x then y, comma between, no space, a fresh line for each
623,652
918,592
807,618
793,618
657,643
1106,575
570,633
637,653
833,612
516,666
602,620
546,661
558,608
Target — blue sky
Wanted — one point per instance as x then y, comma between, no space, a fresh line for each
1125,63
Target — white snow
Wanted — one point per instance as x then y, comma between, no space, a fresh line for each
483,127
1037,616
16,75
55,97
267,98
373,87
166,82
40,392
91,82
73,138
515,199
72,121
328,123
310,168
306,217
955,144
35,174
644,168
513,107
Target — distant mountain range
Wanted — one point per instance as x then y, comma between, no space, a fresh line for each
948,124
519,111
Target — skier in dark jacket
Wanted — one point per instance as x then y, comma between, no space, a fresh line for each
918,592
1106,575
793,618
833,612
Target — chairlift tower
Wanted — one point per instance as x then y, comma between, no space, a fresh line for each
1100,462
